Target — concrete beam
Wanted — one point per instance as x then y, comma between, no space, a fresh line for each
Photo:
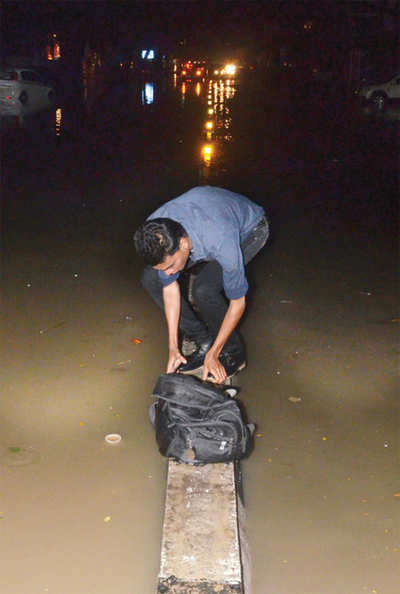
200,551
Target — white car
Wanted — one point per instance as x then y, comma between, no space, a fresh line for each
379,95
23,92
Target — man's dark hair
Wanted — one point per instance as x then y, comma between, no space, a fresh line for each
158,238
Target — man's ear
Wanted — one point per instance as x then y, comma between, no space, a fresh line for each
184,243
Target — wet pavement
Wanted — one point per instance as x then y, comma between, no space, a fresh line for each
81,346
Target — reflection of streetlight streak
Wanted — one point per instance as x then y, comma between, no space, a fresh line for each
207,153
209,125
210,111
58,121
148,94
183,88
198,89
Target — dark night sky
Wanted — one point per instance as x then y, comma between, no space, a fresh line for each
205,24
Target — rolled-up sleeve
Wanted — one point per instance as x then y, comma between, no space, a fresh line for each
167,279
230,258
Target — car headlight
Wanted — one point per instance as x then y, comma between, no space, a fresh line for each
230,69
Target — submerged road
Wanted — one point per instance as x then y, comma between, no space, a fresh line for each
321,487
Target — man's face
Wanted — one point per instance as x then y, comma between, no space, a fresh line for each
176,262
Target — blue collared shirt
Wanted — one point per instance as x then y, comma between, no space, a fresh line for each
217,222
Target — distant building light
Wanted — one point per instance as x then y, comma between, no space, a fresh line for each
57,52
147,54
53,51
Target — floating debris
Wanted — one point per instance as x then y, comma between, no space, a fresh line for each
122,365
136,341
14,449
295,399
58,325
123,319
113,438
18,456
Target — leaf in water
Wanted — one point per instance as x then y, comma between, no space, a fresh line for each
14,449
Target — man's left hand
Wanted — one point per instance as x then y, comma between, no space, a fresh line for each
213,366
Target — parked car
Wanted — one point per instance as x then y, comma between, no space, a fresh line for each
380,94
23,92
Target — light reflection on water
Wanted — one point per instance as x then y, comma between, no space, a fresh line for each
93,79
101,95
391,114
148,93
217,124
58,121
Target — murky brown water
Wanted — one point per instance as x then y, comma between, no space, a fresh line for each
79,516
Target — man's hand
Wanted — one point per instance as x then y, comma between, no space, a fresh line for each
175,358
213,366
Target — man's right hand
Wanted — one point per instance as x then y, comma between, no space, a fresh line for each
174,360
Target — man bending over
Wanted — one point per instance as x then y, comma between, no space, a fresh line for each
225,231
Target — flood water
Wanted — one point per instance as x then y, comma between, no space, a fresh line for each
321,488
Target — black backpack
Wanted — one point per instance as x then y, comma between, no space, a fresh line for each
198,422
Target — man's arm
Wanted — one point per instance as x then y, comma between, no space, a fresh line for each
172,308
211,363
